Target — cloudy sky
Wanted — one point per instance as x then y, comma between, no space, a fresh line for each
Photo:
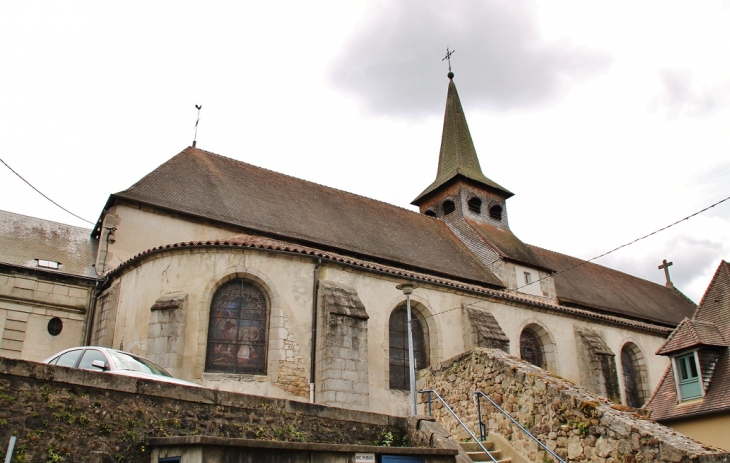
608,120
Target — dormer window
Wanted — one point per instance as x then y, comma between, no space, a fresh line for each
475,205
52,264
449,207
495,212
686,372
430,213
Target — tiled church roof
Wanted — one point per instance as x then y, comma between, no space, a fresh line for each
24,239
214,187
714,310
507,244
609,290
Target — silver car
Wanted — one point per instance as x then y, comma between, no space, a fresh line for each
113,361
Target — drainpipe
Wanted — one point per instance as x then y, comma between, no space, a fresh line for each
313,364
92,309
95,294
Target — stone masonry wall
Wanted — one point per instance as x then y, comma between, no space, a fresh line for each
165,335
343,379
106,314
66,415
597,364
573,422
292,374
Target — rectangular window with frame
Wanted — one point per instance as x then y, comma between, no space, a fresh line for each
690,386
528,278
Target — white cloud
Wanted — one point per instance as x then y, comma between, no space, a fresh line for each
681,96
392,63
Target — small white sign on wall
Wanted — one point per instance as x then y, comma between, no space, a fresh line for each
364,458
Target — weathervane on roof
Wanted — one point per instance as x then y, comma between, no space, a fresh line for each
448,59
665,266
195,138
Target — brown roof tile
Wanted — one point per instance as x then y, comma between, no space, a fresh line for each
713,311
714,307
602,288
507,244
691,333
214,187
24,239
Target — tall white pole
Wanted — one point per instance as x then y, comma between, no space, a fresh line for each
411,360
407,289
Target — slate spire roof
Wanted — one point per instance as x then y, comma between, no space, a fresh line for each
458,157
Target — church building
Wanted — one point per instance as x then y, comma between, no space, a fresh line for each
243,279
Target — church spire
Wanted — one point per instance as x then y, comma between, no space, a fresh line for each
458,157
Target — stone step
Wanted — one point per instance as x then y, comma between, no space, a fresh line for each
472,446
477,454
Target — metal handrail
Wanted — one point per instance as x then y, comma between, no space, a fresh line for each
480,394
431,391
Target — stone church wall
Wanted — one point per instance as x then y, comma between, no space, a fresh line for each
574,423
288,283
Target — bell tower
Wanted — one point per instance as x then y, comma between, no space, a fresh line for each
461,190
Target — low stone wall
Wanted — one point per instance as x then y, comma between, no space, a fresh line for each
576,424
61,414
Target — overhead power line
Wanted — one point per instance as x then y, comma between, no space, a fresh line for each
39,192
627,244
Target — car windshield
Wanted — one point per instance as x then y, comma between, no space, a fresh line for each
131,363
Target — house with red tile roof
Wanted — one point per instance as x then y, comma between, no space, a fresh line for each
693,395
244,279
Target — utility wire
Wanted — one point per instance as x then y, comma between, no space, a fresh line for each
624,245
594,258
39,192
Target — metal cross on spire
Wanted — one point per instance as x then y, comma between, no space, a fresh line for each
665,266
197,121
448,57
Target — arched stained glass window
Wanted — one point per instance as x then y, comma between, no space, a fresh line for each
398,349
531,348
631,379
238,329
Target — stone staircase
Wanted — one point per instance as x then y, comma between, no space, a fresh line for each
477,454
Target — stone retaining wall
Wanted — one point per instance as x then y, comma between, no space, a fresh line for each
574,423
61,414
